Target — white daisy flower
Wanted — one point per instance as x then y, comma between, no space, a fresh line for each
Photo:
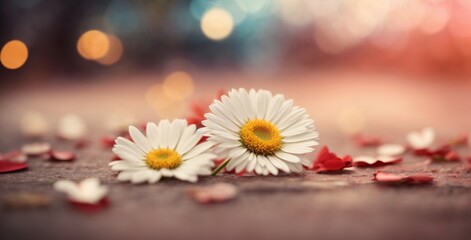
260,132
169,150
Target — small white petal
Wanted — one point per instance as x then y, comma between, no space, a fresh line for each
151,131
199,149
391,149
287,157
139,139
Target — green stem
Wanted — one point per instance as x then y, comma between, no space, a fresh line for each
223,165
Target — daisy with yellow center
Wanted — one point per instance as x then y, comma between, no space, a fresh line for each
260,133
170,149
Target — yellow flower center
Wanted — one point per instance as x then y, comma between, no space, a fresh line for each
163,158
260,137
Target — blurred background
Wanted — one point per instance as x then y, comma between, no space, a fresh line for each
357,65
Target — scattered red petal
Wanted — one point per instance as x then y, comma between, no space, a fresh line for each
443,153
427,152
9,166
90,208
366,141
377,163
452,156
107,141
219,192
62,156
392,178
326,161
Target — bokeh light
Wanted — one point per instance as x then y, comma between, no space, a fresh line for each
162,104
217,24
178,85
14,54
351,120
93,45
114,52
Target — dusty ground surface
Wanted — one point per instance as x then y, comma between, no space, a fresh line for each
346,205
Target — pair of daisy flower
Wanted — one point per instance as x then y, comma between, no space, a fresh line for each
253,130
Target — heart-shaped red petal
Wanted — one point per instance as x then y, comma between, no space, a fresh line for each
8,166
90,208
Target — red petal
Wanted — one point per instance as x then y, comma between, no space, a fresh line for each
115,158
334,164
420,178
378,163
107,141
348,160
366,141
385,177
91,208
62,155
327,161
452,156
8,166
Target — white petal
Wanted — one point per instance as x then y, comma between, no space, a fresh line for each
139,177
391,149
422,139
274,107
280,164
287,157
153,176
176,130
65,186
124,154
237,152
125,175
163,130
366,159
140,140
199,149
166,172
271,168
132,147
152,134
188,139
295,149
304,136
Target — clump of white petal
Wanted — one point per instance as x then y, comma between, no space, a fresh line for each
391,149
87,191
71,127
421,139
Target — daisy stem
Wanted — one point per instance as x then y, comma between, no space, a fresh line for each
218,169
